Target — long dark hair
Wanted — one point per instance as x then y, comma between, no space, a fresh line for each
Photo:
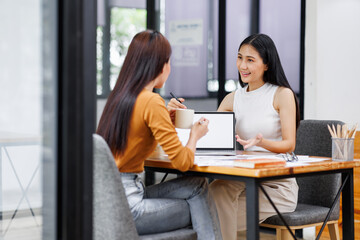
275,74
147,54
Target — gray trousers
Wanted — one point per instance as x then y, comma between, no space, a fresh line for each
172,205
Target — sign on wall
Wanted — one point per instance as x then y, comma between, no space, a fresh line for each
186,37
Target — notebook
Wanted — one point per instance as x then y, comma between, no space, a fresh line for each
220,139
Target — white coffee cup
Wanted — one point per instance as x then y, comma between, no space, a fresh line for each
184,118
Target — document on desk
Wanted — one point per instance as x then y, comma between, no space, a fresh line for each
202,161
305,160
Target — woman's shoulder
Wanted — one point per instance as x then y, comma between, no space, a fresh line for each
282,95
284,92
149,101
148,96
227,103
231,95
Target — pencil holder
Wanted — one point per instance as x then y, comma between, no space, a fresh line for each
343,149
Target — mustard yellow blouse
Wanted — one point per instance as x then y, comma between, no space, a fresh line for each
151,124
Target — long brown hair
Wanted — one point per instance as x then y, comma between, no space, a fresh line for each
147,54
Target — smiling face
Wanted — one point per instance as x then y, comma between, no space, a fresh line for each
251,66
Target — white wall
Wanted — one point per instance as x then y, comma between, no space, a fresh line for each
332,60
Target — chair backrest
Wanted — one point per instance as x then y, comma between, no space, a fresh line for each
112,218
313,139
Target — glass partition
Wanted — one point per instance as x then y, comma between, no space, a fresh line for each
281,20
188,27
28,119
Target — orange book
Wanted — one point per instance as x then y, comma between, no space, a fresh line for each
259,162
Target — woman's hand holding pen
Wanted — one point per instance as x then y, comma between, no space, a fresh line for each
173,104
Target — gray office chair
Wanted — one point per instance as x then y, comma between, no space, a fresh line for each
112,218
317,193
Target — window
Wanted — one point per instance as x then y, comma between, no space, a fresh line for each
113,41
193,31
125,23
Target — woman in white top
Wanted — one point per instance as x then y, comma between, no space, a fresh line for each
267,115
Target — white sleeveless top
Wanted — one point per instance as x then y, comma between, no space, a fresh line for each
255,113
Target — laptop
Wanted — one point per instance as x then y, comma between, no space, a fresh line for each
219,140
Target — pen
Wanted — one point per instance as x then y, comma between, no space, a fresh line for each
173,95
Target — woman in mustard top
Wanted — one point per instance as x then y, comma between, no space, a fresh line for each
134,121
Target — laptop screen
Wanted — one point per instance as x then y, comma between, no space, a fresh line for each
221,134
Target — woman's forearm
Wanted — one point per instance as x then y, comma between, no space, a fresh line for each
282,146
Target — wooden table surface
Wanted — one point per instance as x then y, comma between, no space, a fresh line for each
161,161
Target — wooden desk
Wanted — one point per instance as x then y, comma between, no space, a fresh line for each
253,177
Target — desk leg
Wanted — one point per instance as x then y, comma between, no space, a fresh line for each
348,206
252,209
